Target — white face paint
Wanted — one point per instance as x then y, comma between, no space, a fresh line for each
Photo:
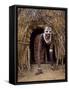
47,34
48,31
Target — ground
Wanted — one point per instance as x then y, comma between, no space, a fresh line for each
48,74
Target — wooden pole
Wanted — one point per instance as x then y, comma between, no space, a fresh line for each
28,57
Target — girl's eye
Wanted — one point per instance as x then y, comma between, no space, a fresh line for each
46,31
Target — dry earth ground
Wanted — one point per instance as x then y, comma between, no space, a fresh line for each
48,74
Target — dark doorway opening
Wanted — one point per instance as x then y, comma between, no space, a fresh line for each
36,32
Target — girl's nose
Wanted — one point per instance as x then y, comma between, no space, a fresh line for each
48,32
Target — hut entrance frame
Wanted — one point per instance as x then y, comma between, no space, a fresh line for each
33,32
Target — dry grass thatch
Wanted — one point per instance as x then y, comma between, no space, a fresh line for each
31,18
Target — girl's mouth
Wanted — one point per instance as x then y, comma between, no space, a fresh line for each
47,36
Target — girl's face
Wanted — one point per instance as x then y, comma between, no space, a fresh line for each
48,32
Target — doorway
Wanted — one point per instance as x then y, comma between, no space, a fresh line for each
34,33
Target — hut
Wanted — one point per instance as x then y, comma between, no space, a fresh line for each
31,20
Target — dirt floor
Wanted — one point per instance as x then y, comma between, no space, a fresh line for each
48,74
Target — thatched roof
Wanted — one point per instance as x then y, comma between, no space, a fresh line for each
34,17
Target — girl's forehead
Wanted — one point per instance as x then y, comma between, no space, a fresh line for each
48,29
